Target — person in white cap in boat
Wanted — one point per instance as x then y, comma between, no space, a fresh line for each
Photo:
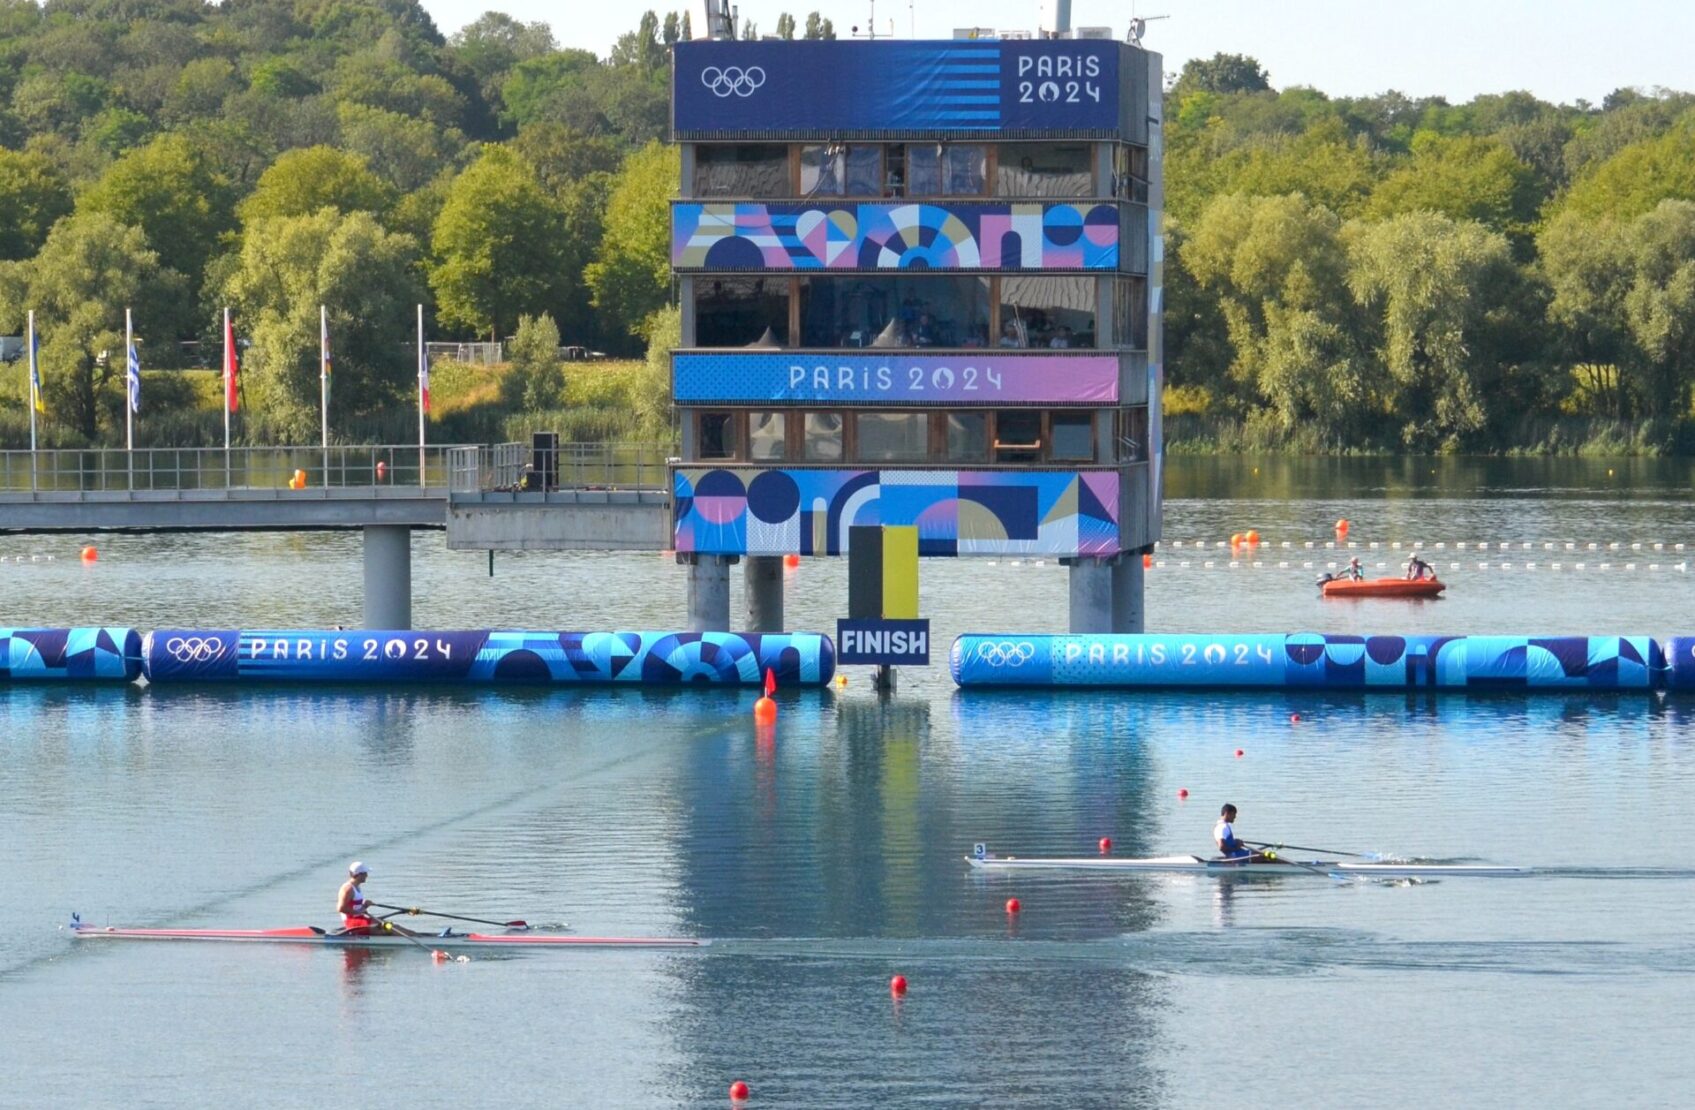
355,911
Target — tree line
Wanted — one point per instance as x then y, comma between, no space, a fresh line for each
1397,274
1378,273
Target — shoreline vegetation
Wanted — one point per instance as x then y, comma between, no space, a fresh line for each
1377,275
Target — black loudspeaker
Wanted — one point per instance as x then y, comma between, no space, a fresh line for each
544,458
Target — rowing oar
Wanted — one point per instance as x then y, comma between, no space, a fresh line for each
415,911
1303,848
435,953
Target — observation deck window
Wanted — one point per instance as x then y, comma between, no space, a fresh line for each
935,310
841,170
741,311
1072,436
1044,170
892,436
742,170
1052,312
1130,173
821,437
1130,313
717,435
968,436
1018,436
946,169
765,437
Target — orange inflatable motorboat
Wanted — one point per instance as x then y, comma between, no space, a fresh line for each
1382,587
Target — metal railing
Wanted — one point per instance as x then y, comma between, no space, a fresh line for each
181,469
517,467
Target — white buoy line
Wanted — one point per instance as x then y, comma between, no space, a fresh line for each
1423,545
18,560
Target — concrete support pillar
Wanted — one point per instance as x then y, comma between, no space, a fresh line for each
709,591
388,576
1091,595
1129,611
762,580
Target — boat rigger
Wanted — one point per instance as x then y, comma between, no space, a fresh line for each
1255,866
313,936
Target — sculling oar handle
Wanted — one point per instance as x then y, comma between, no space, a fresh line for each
415,911
1304,848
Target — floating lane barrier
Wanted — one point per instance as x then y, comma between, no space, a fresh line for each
484,656
1311,660
70,654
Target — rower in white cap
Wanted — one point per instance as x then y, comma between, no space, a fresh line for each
355,910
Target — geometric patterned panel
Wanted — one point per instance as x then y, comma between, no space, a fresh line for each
726,511
1313,660
60,654
960,235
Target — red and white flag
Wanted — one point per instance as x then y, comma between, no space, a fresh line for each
231,366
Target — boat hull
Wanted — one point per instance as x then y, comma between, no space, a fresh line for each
1383,587
307,935
1196,865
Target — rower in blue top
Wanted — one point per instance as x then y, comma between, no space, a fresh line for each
1224,835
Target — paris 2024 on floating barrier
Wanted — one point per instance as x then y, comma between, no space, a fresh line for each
400,657
484,656
1311,660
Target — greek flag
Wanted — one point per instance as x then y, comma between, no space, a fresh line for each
35,397
134,379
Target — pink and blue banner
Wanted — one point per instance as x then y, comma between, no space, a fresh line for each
880,378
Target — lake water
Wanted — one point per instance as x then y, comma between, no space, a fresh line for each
825,859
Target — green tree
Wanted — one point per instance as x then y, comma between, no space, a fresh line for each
640,48
404,151
631,275
563,155
1466,178
1639,176
655,409
536,381
817,27
1279,268
786,26
302,181
89,270
1660,305
1223,74
1435,288
497,244
172,192
33,196
672,30
365,276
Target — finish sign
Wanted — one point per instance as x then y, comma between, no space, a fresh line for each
890,643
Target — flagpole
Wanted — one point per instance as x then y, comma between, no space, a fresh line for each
228,384
34,396
324,383
423,370
129,403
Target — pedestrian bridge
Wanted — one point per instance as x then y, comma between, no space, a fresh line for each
588,497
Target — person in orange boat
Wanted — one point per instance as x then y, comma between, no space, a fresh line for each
1418,569
1355,572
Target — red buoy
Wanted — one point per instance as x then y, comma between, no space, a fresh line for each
791,560
1294,718
382,471
1013,905
1106,845
738,1091
897,985
1238,753
90,554
1182,791
765,711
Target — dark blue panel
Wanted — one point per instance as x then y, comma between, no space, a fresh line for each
1062,87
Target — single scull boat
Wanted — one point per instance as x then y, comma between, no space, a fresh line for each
1200,865
312,935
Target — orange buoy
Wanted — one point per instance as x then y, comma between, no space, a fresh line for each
897,985
738,1091
841,680
1253,538
1013,905
791,560
1106,845
1342,526
1182,792
90,554
382,471
1236,540
765,711
1147,562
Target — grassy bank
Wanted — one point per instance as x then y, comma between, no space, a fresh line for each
603,402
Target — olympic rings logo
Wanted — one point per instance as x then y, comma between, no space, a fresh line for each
732,79
1005,653
194,649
